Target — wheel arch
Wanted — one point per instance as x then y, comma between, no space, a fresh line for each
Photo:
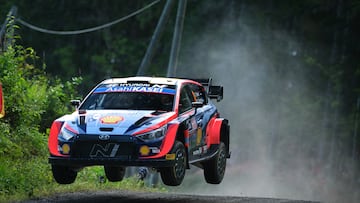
225,136
182,135
218,130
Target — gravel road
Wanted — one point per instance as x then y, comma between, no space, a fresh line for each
142,197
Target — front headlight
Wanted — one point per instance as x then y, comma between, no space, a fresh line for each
66,134
153,135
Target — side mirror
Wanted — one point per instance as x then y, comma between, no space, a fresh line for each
75,103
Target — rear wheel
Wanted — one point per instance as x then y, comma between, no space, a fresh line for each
114,173
214,169
173,176
63,174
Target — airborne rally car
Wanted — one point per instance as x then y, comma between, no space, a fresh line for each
163,123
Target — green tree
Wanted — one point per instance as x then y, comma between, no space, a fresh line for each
32,102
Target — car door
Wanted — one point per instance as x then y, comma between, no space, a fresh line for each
196,120
202,116
186,115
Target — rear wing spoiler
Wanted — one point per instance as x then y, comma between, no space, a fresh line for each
214,91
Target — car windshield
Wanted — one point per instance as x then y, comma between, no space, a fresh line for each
149,98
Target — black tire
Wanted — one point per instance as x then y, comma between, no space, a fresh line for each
214,169
115,173
173,176
63,174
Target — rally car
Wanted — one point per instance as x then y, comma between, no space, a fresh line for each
165,124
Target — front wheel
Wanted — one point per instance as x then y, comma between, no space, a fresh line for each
115,173
214,169
63,174
173,176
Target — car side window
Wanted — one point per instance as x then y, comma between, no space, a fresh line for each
185,101
199,93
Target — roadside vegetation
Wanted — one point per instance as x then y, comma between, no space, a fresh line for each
32,101
289,69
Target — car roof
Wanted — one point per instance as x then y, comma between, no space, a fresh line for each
151,80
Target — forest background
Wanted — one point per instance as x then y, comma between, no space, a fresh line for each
290,71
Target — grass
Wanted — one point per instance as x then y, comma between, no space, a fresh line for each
33,180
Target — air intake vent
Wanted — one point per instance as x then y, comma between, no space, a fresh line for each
106,129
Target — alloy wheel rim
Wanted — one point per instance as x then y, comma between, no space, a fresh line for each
180,163
221,163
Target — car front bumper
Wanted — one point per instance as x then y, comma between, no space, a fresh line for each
82,162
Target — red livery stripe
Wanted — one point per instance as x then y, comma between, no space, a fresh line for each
53,138
213,131
158,125
167,142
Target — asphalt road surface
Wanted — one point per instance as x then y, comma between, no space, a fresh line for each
142,197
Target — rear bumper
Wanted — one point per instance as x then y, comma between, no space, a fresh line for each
82,162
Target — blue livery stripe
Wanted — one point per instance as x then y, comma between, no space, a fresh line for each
135,89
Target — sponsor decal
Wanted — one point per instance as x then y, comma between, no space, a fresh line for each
135,88
200,150
144,150
65,149
205,148
111,119
134,85
154,150
170,157
198,136
93,118
96,116
109,150
197,152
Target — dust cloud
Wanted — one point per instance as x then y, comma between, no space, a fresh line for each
276,124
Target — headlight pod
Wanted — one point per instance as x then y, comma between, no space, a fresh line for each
153,135
66,134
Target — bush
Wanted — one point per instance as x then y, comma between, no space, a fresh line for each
32,102
20,177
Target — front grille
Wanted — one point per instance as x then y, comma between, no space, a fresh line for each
112,148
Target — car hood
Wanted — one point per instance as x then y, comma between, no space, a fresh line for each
117,122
